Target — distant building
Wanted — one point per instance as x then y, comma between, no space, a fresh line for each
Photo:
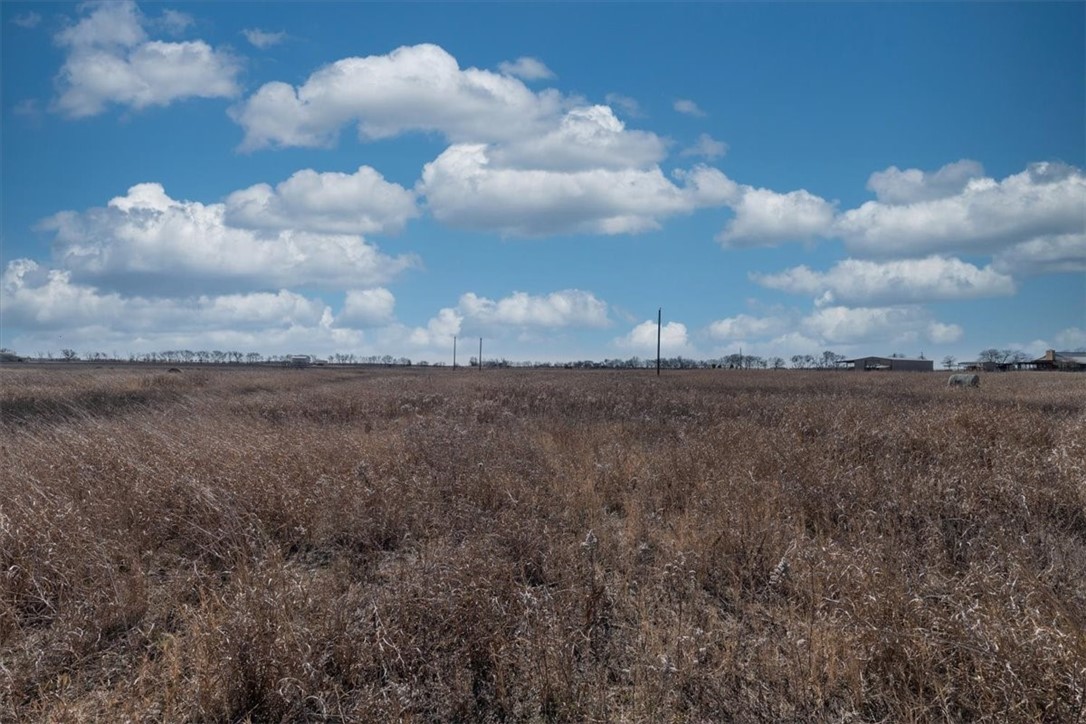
891,364
300,360
982,366
1053,360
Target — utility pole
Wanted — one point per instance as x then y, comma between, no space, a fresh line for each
480,354
454,351
659,322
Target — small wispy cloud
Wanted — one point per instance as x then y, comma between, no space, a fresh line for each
526,69
27,20
706,147
263,39
175,22
629,106
29,107
688,107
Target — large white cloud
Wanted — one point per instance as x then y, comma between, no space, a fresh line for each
438,332
1036,218
746,326
413,88
1044,254
943,333
585,138
335,203
860,282
857,330
367,308
147,240
673,338
462,188
985,216
894,186
520,163
844,325
38,298
764,218
566,308
110,60
517,313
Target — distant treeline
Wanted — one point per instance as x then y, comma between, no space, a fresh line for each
827,360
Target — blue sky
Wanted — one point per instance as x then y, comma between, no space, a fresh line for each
377,178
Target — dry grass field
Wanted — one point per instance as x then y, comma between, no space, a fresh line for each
429,545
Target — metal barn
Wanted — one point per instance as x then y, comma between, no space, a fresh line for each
892,364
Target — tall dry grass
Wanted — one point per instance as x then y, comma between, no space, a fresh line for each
321,545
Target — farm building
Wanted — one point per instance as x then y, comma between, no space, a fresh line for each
983,366
893,364
1054,360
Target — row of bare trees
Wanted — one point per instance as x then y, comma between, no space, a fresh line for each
827,360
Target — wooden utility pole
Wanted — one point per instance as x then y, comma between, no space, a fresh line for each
480,354
659,322
454,351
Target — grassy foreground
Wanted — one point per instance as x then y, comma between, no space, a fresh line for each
329,545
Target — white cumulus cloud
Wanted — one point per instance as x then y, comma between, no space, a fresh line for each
642,338
336,203
851,330
764,218
894,186
439,330
586,137
413,88
146,239
463,189
850,325
111,60
40,299
517,314
566,308
1044,254
367,308
941,333
861,282
1047,200
745,326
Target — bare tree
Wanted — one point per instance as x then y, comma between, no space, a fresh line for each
998,356
831,360
949,361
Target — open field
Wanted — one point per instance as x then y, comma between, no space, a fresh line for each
430,545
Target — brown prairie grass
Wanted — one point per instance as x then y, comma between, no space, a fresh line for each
328,545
